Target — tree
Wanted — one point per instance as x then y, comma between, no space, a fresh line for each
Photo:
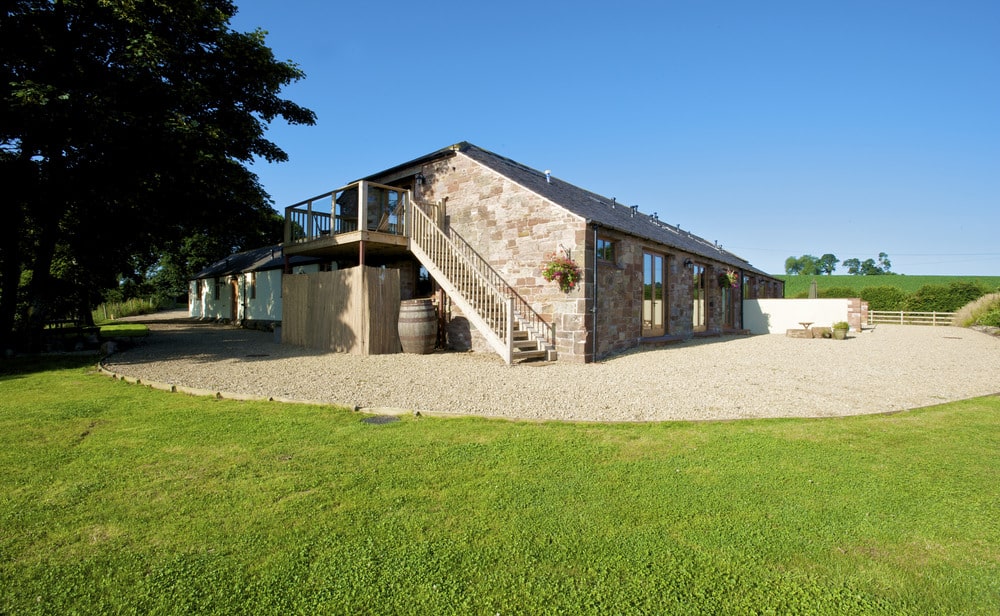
126,126
178,263
806,264
883,263
827,264
869,267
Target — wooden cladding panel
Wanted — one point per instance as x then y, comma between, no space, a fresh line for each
381,325
355,310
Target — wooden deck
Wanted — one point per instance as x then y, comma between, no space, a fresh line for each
340,244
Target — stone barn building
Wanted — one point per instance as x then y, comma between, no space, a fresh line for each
475,230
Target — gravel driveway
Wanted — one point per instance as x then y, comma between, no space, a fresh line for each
890,368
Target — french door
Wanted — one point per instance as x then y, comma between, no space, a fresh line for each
698,316
653,289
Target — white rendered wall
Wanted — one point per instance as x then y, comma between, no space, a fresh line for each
266,305
208,307
196,304
775,316
262,305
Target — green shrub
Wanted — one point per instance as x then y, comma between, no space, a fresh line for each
130,308
838,292
884,298
974,312
939,298
991,318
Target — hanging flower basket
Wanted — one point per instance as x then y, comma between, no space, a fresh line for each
563,271
729,278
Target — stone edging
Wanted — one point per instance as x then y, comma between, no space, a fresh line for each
222,395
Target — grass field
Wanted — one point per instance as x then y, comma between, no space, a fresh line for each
795,285
117,499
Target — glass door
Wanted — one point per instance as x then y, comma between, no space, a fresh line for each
653,289
698,297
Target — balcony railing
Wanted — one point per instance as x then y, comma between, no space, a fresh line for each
370,206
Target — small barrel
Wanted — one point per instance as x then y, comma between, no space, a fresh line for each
417,326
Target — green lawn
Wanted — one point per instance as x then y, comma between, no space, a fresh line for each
795,285
118,499
124,330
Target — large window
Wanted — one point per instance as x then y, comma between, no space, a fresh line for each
653,291
698,297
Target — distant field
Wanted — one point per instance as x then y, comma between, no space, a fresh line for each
794,285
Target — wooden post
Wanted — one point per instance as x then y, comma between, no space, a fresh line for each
407,213
309,220
362,206
509,310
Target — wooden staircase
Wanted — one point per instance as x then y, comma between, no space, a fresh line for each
507,322
527,346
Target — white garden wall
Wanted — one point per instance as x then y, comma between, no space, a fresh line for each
775,316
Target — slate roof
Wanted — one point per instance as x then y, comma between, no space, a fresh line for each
598,209
256,260
590,206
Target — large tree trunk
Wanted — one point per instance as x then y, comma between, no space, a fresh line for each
10,275
52,204
17,174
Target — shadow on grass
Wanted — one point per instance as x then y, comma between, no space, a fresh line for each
30,364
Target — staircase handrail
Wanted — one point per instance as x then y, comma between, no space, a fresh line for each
529,317
484,306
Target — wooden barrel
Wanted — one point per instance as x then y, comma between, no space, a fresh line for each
417,326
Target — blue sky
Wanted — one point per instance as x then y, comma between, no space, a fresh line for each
776,128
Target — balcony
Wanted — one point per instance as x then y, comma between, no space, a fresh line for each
362,216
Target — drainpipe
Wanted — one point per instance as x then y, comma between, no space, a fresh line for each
743,301
246,299
594,309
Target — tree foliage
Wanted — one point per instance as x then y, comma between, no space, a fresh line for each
809,265
941,298
126,127
885,297
806,264
827,264
869,267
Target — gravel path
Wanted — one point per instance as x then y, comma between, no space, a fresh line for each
888,369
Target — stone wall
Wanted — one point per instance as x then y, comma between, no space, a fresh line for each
857,314
516,231
620,294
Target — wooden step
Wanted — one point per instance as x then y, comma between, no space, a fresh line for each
525,355
525,344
